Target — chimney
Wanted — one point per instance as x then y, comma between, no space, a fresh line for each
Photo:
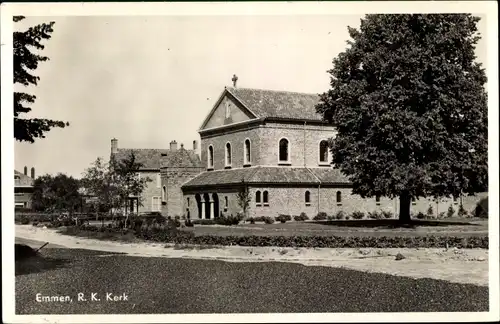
195,145
26,170
32,173
114,146
173,145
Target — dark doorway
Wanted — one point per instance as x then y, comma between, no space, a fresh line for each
215,197
206,197
198,204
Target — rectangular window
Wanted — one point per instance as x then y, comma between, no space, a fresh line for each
156,204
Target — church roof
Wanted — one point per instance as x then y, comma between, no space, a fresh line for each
154,159
278,104
268,175
22,179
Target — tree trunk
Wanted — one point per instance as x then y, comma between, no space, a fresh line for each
404,208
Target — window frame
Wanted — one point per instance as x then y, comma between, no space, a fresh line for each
338,198
328,156
247,162
210,157
307,198
265,198
228,155
289,152
258,198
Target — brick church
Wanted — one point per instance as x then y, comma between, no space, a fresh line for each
275,144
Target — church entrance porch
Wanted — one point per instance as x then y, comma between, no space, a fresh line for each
208,205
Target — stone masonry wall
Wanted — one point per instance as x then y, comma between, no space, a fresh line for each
303,143
172,181
237,140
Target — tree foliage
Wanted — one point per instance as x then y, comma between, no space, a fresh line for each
58,193
243,197
111,184
409,105
25,62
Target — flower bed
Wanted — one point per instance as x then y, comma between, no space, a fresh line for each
172,235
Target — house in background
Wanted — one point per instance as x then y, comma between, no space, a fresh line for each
167,169
23,188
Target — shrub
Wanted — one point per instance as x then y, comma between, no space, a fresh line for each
375,215
450,212
340,215
358,215
283,218
320,241
420,215
331,217
481,209
441,215
461,211
387,214
188,223
430,211
268,220
251,220
320,216
348,217
302,217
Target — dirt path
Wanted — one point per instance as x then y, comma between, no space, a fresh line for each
454,265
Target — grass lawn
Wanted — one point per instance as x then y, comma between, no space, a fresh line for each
164,285
384,227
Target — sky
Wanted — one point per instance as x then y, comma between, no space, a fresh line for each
149,80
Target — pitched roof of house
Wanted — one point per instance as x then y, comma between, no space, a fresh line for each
279,104
259,174
156,158
24,180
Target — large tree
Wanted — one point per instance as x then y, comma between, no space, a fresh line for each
58,193
25,62
409,105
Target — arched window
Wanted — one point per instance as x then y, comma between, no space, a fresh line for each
339,197
307,198
247,152
257,198
284,150
323,152
377,200
210,157
265,198
228,154
164,194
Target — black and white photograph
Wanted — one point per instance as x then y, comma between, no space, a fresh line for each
250,162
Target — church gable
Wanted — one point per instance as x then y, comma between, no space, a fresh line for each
227,111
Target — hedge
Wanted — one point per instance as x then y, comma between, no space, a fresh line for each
187,237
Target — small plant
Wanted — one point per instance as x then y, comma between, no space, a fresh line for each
300,218
450,212
375,215
387,214
281,218
461,211
320,216
268,220
420,215
348,217
340,215
430,211
251,220
441,215
331,217
358,215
